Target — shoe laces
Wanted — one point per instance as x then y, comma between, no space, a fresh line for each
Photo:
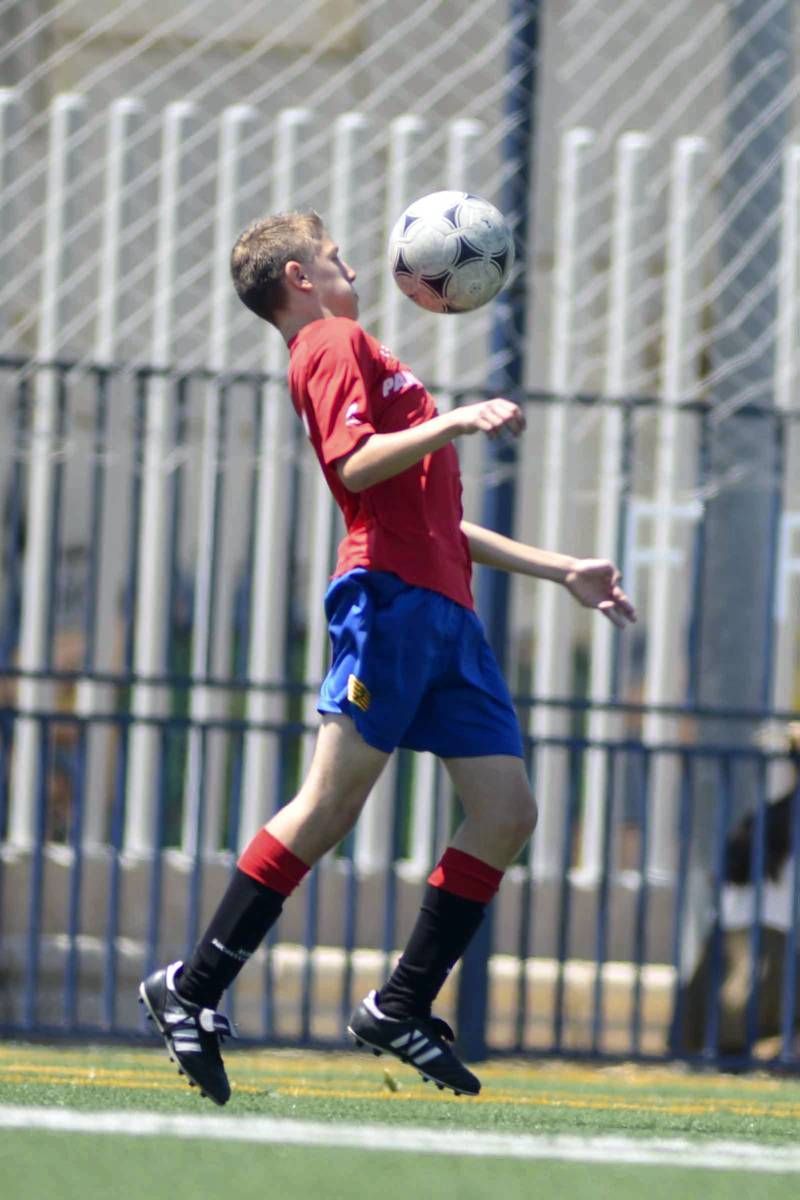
216,1022
207,1020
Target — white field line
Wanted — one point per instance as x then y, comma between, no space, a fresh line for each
654,1152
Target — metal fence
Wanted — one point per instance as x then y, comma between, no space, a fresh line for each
165,545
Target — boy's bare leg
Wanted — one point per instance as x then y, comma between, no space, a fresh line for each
499,807
343,772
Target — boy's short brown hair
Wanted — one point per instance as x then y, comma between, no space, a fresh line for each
261,253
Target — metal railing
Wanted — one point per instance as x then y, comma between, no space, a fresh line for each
585,963
151,719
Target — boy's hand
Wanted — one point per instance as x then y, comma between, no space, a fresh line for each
492,417
594,582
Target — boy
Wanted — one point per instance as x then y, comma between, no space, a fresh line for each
410,664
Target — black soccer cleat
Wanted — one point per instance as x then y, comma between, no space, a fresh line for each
422,1042
191,1033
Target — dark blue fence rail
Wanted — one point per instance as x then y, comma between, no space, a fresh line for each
690,952
591,967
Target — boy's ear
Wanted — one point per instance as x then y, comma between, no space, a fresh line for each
295,275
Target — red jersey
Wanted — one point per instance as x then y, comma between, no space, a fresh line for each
346,386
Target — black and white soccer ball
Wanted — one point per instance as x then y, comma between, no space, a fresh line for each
451,252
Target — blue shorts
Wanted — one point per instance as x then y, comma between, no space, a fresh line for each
413,668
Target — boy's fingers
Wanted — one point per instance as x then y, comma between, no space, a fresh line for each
614,615
625,603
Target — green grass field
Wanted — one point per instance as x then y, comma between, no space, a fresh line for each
522,1101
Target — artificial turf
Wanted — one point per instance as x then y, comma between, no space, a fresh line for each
519,1097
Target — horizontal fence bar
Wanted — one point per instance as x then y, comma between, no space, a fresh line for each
229,378
290,728
240,683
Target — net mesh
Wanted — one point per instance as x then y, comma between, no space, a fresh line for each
439,59
723,75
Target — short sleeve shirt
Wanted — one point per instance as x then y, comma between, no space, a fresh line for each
346,386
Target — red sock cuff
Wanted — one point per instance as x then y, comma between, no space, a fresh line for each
270,863
465,876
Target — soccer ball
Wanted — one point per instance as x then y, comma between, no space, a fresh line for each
451,252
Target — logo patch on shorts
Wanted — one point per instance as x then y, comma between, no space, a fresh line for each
358,694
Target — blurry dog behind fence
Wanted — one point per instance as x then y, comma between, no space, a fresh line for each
777,825
736,920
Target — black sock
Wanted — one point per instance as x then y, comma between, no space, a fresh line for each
443,930
246,912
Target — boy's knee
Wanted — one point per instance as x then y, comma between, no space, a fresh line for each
525,814
516,817
531,814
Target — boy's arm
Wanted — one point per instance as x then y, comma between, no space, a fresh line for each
383,455
594,582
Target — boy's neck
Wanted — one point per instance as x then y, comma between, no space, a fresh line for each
290,325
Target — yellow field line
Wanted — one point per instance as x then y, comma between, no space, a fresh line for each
277,1063
289,1086
55,1070
138,1086
287,1073
524,1074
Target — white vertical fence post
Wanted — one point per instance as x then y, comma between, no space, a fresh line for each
664,678
92,698
270,560
9,101
463,140
151,616
787,372
372,849
405,136
38,580
622,359
205,756
8,113
553,621
9,108
124,120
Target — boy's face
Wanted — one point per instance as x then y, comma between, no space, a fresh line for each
333,281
